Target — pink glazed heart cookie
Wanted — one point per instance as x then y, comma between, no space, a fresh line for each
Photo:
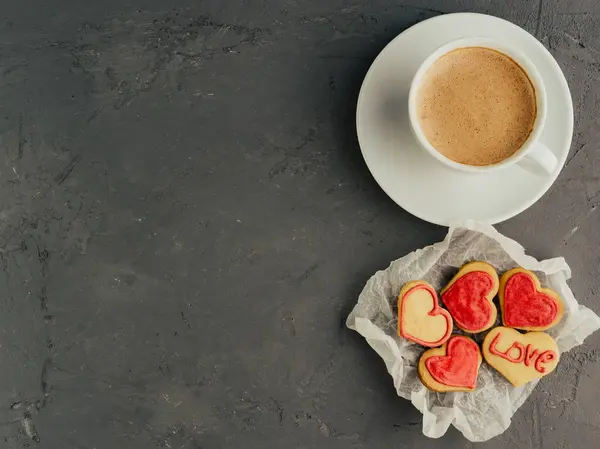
525,304
420,318
469,295
453,367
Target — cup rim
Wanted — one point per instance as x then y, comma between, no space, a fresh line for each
494,44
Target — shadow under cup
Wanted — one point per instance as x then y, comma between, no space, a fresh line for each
531,154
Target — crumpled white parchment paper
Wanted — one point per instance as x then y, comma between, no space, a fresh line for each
486,412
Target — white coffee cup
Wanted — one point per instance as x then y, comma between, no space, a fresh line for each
533,154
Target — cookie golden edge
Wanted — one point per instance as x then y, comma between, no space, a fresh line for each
538,286
487,268
489,358
408,286
433,384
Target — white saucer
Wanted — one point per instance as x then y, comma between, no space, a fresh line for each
415,180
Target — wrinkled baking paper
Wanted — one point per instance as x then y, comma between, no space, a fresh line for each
486,412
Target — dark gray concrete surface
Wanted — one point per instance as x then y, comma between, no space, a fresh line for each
186,221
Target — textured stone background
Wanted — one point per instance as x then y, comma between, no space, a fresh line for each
186,221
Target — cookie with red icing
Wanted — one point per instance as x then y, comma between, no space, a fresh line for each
453,367
469,297
525,304
519,357
420,318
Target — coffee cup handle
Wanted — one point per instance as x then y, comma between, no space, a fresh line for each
539,160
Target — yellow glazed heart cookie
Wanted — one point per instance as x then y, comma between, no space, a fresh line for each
520,358
420,318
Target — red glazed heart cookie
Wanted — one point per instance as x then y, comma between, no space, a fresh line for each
520,358
469,295
420,318
525,304
453,367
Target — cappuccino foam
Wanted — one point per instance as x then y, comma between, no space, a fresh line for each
476,106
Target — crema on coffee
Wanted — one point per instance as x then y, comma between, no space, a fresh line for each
476,106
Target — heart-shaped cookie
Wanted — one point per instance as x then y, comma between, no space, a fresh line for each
469,295
525,304
453,367
420,318
519,357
